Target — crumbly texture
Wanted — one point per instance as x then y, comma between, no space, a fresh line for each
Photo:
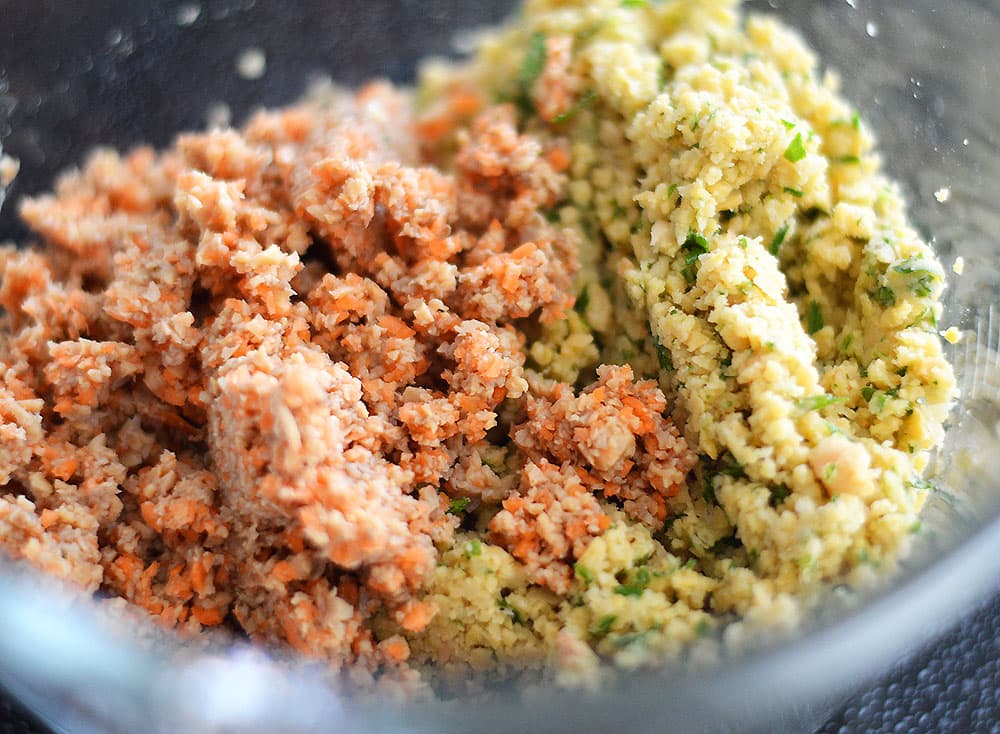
610,339
741,245
251,381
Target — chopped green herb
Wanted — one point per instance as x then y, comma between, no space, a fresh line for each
796,149
534,59
856,120
814,317
708,491
885,297
515,615
779,493
586,99
845,344
926,274
531,69
672,190
848,160
604,625
817,402
669,522
457,506
663,357
694,246
583,572
730,467
916,527
551,215
637,585
473,548
622,641
582,301
633,3
778,240
867,393
794,192
694,122
704,628
690,564
789,125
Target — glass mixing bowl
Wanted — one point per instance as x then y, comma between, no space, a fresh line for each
120,72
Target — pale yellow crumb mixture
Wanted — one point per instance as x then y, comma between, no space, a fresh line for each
740,243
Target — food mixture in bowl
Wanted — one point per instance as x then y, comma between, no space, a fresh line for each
608,339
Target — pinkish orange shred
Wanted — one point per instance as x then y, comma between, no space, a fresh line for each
244,378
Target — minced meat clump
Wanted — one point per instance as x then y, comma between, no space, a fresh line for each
259,379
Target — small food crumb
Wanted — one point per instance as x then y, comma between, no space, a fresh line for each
8,169
218,115
952,335
959,266
187,14
251,63
943,195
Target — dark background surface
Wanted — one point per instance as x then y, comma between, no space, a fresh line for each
950,687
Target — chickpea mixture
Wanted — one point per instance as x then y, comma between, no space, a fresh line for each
607,340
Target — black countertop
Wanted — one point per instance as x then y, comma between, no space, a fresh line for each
950,687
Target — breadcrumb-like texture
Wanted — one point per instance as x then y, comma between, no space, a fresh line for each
549,523
614,436
244,379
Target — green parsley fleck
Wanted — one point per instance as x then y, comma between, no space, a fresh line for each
794,192
789,125
637,585
663,357
852,160
531,69
584,573
633,3
778,240
704,628
779,493
922,285
457,506
473,548
814,317
586,99
796,149
885,297
604,625
817,402
867,393
582,301
694,247
515,615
